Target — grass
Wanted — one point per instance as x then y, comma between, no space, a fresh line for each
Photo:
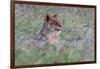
76,23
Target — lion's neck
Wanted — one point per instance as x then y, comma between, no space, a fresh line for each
53,37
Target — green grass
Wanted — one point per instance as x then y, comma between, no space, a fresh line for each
72,26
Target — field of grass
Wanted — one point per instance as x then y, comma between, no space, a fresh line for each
77,37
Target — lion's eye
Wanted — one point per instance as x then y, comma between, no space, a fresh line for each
54,22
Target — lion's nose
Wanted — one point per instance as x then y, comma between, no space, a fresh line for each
59,25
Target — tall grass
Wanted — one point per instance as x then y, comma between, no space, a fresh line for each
77,35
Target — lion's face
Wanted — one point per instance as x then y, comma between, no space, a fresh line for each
52,23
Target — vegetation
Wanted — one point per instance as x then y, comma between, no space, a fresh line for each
77,38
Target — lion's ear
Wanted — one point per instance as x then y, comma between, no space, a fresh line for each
55,16
47,17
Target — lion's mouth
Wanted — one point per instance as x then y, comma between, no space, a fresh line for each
57,29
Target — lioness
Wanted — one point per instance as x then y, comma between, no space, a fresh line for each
49,33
